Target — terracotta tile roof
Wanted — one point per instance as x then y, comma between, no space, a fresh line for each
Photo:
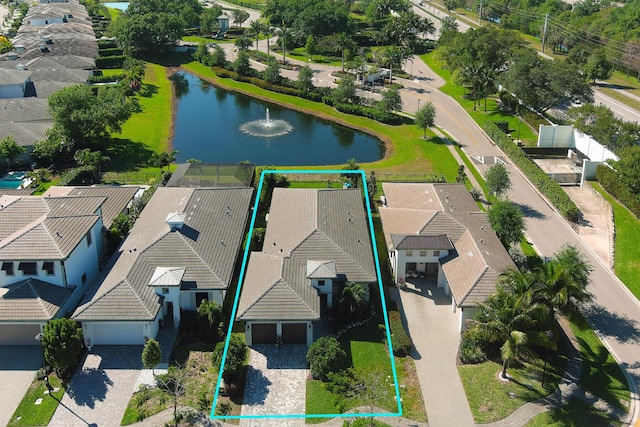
207,246
312,229
32,300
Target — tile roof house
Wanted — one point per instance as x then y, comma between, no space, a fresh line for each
181,250
315,240
13,83
438,231
49,255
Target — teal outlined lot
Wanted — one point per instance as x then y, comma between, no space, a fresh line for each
239,291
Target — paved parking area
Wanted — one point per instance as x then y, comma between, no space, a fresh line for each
100,390
275,385
18,366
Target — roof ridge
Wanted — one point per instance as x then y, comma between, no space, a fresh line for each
257,300
37,295
21,232
473,285
297,295
135,292
92,302
184,239
46,229
348,255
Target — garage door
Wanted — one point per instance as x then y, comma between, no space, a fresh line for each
294,333
114,333
263,333
19,334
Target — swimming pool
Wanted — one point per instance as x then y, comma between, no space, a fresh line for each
13,179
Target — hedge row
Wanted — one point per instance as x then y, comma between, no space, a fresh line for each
107,44
399,338
546,185
372,113
77,175
609,180
110,61
107,79
111,51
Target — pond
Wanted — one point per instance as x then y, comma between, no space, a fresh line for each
117,5
214,125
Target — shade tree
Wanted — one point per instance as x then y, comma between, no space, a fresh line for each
426,117
10,150
507,221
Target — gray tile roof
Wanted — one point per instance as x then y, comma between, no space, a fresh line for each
421,210
313,230
10,76
207,247
32,300
36,228
117,197
431,242
26,119
17,191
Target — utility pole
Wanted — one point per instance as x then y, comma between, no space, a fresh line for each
480,12
544,32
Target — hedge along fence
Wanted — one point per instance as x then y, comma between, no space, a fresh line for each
112,51
609,180
107,79
107,44
546,185
110,61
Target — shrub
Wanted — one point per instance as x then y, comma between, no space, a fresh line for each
112,51
107,44
400,341
545,184
236,358
110,61
77,175
470,351
326,356
610,181
503,125
107,79
372,113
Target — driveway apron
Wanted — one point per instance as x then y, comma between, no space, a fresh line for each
433,328
18,366
99,392
275,385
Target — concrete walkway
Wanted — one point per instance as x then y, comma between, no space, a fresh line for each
434,331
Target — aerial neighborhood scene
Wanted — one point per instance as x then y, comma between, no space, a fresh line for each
341,213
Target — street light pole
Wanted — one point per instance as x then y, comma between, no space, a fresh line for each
39,339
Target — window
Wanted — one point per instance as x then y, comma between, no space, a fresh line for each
28,268
165,291
423,253
436,253
84,278
89,239
320,282
409,253
7,267
48,266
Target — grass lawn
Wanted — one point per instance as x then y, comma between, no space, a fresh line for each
30,414
493,113
406,152
620,97
491,399
601,375
148,129
627,262
576,413
112,71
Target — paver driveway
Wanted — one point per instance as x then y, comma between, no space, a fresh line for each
276,384
18,366
100,390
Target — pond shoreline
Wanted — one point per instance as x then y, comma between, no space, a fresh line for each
216,81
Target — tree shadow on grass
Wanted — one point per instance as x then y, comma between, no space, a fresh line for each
127,155
147,90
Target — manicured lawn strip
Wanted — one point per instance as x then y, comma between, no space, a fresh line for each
37,415
198,39
629,83
491,399
406,151
601,374
410,391
575,413
493,114
319,400
112,71
627,262
471,168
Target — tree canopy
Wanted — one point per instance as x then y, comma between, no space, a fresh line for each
498,181
151,355
507,221
82,118
10,150
426,117
62,344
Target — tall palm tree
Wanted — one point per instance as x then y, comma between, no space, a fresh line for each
344,42
257,28
514,323
269,32
284,34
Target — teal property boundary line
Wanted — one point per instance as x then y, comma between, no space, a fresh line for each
237,299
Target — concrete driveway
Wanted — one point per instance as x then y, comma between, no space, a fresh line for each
100,390
275,385
18,366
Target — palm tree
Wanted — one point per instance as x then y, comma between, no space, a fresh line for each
353,299
513,322
212,311
164,159
269,32
344,42
394,55
284,34
257,28
91,159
